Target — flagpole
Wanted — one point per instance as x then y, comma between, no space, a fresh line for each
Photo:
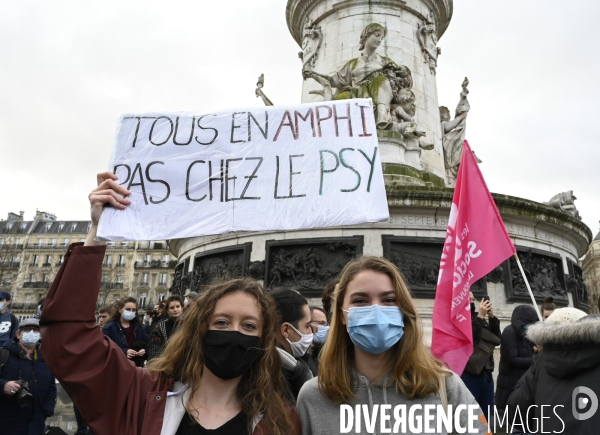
537,309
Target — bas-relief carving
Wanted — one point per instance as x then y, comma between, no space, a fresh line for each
308,266
427,37
220,264
181,279
545,276
576,284
377,77
311,42
565,201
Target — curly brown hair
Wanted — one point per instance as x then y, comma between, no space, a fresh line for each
261,388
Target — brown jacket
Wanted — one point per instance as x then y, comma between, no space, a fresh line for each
114,397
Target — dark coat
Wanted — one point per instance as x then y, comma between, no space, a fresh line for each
90,366
29,420
115,332
516,353
570,359
477,324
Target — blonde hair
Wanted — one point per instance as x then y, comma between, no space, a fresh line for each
415,372
261,388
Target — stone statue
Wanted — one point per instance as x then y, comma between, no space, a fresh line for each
311,43
565,201
403,111
426,35
260,93
364,77
453,134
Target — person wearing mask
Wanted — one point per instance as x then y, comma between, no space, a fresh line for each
158,313
320,327
8,321
294,338
165,328
375,355
190,299
547,307
516,353
481,382
28,389
562,385
215,374
125,329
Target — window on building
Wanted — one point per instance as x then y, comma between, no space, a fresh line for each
61,226
32,277
87,227
40,242
45,277
7,278
143,300
119,279
53,242
66,242
48,225
144,278
147,259
124,244
163,279
105,277
108,260
48,260
23,226
27,299
35,260
73,227
60,259
9,225
17,241
2,242
121,260
161,297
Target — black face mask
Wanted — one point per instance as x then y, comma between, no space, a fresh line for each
229,354
473,308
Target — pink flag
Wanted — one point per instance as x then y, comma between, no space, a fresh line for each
476,243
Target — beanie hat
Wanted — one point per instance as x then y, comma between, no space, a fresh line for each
565,315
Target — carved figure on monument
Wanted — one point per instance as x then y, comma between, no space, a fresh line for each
403,122
453,134
364,77
543,275
256,269
427,37
260,93
311,42
565,201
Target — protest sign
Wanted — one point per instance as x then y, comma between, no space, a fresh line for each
261,169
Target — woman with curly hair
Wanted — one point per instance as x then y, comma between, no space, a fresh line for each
165,328
374,355
216,373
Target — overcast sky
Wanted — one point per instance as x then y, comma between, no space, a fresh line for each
70,68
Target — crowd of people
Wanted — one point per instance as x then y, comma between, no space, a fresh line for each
240,360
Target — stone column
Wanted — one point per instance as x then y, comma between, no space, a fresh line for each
341,22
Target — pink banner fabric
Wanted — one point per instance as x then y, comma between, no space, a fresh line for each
476,243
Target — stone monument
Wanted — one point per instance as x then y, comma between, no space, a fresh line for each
388,51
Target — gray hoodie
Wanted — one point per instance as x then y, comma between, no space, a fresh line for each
321,416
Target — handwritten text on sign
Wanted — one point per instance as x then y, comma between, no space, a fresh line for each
262,169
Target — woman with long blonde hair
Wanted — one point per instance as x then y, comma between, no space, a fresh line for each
374,355
220,372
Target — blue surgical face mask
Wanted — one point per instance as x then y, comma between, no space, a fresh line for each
30,338
321,334
128,315
375,329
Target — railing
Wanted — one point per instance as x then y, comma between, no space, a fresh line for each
22,306
36,284
111,285
46,265
154,264
33,265
11,246
46,246
10,265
